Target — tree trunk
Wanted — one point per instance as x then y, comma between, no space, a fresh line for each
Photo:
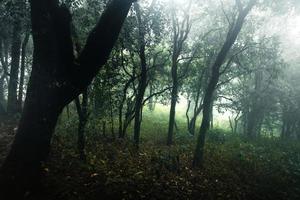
173,105
142,80
2,110
22,71
112,127
55,81
82,110
198,155
192,124
121,106
213,81
187,113
104,128
12,101
211,117
2,99
180,34
2,77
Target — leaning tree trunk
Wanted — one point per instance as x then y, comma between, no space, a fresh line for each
207,101
55,81
213,81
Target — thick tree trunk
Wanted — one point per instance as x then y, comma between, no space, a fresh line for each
55,81
22,72
142,80
12,101
21,171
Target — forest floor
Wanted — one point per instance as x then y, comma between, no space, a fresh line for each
114,169
7,127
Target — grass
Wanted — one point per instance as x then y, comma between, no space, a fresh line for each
235,168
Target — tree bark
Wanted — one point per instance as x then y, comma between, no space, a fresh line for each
174,94
213,81
82,111
180,34
22,72
142,80
55,81
12,101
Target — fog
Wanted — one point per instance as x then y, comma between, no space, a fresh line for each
149,99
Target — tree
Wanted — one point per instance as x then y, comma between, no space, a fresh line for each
232,34
22,71
82,111
180,35
55,81
12,100
142,77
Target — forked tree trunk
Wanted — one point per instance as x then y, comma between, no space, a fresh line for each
55,81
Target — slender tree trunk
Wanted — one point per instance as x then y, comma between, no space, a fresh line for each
121,106
22,71
82,110
12,101
151,101
53,84
187,113
112,127
211,117
213,81
142,80
180,34
198,156
2,77
104,128
2,99
174,94
192,124
255,115
121,120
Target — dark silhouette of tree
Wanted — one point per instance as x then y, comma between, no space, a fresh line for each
55,81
